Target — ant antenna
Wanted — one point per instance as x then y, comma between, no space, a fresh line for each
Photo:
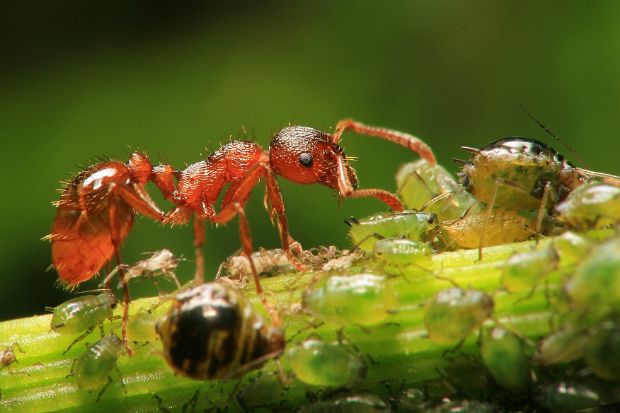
546,129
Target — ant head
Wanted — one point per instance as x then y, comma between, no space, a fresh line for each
140,167
308,156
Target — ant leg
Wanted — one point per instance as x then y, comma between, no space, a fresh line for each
116,241
400,138
140,200
199,239
225,215
386,197
277,207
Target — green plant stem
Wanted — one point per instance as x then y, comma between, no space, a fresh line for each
399,349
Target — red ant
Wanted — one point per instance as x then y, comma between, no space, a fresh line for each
96,210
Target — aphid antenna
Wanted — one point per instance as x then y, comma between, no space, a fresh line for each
458,161
594,174
550,132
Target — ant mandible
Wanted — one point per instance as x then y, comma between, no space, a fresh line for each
96,209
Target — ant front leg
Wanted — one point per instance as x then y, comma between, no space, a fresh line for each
227,213
400,138
277,207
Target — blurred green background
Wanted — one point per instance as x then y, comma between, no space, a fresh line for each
81,79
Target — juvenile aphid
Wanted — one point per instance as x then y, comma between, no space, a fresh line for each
398,253
141,327
523,271
211,332
592,205
362,299
452,314
7,356
601,352
569,396
562,346
413,225
431,188
503,353
356,403
596,282
480,228
92,370
83,314
267,262
572,247
319,363
162,262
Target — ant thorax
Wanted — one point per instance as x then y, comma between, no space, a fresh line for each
512,173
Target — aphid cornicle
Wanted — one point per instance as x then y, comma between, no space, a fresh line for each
211,332
92,369
83,314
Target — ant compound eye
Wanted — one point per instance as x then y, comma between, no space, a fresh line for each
306,159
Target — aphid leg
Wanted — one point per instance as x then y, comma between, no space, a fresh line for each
104,389
486,222
191,402
160,404
400,138
120,378
199,239
78,339
541,210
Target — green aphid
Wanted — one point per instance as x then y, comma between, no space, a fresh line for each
596,281
92,370
601,353
504,356
356,403
265,390
452,314
83,314
319,363
141,327
592,205
513,172
397,253
432,188
563,396
416,226
562,346
572,247
523,271
363,299
463,406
